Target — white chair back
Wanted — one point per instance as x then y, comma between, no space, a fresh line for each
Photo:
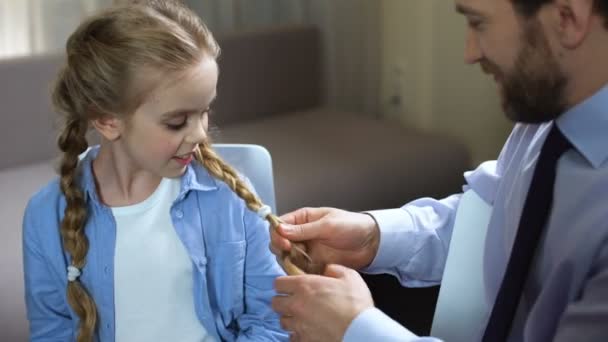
254,162
462,305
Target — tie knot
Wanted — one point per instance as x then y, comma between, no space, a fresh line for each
555,145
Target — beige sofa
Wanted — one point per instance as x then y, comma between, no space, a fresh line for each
270,93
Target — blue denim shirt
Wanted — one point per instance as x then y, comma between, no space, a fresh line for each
233,268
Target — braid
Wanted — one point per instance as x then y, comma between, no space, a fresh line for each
294,262
72,142
105,55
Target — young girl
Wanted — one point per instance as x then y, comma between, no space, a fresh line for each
150,237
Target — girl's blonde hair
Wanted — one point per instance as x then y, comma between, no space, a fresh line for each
103,56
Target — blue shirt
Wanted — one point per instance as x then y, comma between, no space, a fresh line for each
233,268
566,296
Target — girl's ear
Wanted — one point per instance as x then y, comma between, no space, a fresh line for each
109,126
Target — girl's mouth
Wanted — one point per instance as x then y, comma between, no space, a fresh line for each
184,159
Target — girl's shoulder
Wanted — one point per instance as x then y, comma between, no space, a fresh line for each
201,179
47,198
43,214
46,203
222,199
50,196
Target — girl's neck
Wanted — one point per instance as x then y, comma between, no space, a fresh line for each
118,180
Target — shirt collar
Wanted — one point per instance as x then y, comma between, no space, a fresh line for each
196,177
586,127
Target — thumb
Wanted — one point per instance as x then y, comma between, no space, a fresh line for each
301,232
336,271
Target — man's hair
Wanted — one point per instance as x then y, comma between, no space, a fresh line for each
529,8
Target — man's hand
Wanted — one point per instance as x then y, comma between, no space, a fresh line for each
332,236
320,308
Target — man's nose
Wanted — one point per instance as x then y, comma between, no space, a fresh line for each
472,51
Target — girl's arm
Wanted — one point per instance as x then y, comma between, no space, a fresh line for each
47,310
259,322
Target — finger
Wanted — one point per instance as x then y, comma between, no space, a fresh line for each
302,232
337,271
287,284
278,244
295,217
275,250
287,323
281,305
304,215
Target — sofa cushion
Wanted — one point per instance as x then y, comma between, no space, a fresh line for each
324,157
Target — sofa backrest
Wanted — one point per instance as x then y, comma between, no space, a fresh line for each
268,72
27,122
262,73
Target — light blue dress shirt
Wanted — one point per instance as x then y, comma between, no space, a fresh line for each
233,268
566,296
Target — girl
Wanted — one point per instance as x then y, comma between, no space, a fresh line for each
150,237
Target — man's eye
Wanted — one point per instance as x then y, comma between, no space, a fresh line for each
475,24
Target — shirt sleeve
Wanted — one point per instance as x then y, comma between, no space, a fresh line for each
259,322
415,238
46,308
373,325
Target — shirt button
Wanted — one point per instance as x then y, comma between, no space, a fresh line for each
108,326
202,262
179,214
106,270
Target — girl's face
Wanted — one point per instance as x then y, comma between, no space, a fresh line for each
165,130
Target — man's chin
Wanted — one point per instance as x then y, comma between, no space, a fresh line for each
526,116
511,115
520,113
504,105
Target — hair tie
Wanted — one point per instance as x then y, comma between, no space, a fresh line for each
264,211
73,273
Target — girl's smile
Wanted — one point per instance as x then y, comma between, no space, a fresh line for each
184,159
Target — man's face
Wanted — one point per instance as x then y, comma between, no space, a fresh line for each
516,51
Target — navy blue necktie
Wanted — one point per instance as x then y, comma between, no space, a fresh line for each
532,222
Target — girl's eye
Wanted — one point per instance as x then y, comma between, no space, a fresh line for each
176,126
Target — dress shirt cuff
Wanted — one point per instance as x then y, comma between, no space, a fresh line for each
391,223
373,325
484,181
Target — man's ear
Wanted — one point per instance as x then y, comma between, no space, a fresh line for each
575,19
109,126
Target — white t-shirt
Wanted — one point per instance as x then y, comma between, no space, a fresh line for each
153,280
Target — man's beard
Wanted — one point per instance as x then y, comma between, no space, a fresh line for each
534,91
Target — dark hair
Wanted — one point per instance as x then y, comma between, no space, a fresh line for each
529,8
